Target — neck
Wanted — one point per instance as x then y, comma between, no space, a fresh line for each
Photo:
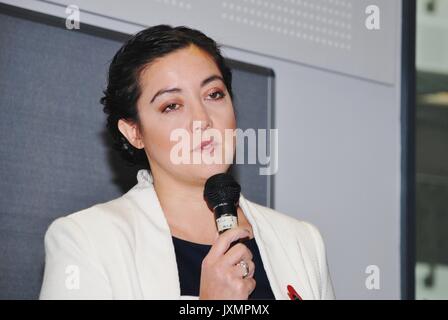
185,209
183,203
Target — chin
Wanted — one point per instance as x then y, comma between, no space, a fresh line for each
203,172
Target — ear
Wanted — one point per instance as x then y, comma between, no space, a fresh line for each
131,131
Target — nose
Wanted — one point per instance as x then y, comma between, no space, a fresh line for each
200,118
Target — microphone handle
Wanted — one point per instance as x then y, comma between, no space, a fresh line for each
226,218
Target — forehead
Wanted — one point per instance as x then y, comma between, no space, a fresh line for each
189,64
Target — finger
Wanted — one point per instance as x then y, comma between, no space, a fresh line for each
224,240
237,253
250,285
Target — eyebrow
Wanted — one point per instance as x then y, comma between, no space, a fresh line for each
203,83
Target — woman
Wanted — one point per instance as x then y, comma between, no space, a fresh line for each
159,240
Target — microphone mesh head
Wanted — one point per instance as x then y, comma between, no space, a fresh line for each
221,188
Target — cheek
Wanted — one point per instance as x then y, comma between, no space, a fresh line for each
226,124
225,118
227,128
157,139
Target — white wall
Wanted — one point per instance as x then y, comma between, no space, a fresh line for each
331,34
339,157
339,164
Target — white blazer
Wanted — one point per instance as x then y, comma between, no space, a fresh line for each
122,249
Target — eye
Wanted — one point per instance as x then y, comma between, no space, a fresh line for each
217,95
171,107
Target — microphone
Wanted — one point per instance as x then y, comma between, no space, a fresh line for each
222,192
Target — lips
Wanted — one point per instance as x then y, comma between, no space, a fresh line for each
205,144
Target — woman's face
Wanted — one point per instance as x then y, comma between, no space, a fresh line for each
193,105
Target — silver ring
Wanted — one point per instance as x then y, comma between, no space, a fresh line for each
245,266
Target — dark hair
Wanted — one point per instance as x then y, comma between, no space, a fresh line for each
123,88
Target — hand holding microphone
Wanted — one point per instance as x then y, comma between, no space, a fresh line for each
221,275
227,270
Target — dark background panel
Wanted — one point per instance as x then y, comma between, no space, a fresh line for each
56,157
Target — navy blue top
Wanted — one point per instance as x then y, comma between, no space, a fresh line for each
189,256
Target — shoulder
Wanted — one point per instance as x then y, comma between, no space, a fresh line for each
75,246
298,236
94,223
94,215
286,224
301,240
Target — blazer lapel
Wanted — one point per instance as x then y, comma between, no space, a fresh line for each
281,256
155,255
